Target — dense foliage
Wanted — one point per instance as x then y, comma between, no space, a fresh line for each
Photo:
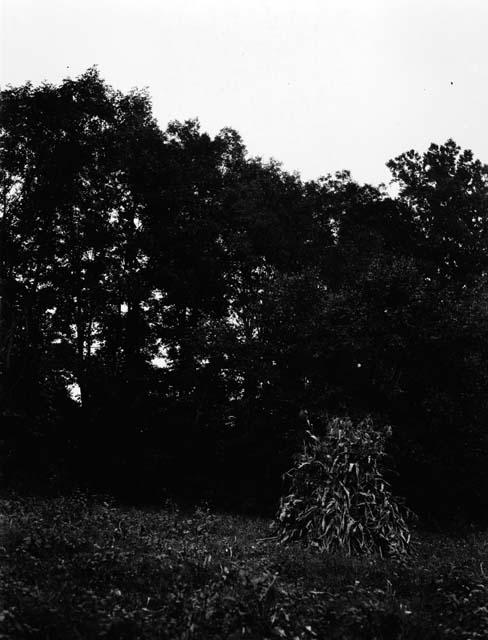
169,306
339,499
78,568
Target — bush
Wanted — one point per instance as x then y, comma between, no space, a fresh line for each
339,499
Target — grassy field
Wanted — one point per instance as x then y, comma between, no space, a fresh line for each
82,568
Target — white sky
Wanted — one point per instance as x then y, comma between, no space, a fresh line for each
320,85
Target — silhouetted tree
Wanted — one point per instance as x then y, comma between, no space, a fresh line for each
202,301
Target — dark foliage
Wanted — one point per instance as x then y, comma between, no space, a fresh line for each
199,301
79,568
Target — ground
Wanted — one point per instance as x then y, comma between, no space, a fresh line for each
85,568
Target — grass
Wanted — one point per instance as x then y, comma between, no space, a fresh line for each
85,568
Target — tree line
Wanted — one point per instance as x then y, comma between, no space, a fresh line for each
175,313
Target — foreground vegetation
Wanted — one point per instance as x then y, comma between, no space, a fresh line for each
82,568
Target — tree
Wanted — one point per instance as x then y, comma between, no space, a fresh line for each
446,191
72,255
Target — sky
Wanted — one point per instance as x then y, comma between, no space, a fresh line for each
320,85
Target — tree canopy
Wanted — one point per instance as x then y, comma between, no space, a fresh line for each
170,307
